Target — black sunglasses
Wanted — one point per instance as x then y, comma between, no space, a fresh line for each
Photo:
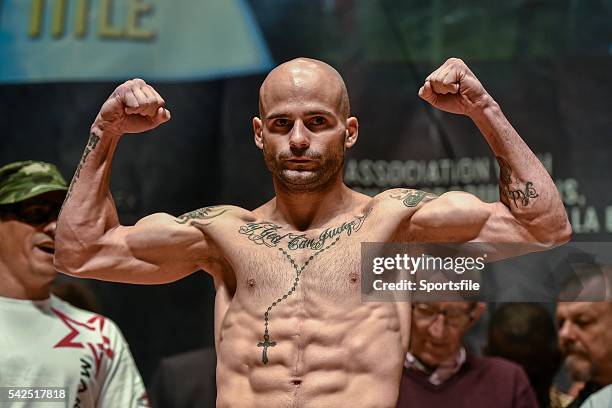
34,213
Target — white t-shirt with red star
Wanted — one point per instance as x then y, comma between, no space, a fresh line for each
50,343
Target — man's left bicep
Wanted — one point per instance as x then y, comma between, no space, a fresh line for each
458,216
502,226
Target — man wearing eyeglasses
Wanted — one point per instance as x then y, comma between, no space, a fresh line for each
439,372
51,352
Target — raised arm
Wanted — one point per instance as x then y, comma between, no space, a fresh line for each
530,208
90,242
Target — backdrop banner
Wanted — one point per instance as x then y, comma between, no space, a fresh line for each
61,40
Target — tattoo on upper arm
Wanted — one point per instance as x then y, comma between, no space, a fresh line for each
201,214
410,197
91,145
516,193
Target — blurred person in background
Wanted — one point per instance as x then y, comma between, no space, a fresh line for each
599,399
526,334
440,372
46,342
185,380
585,330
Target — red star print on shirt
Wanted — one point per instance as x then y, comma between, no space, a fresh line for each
94,325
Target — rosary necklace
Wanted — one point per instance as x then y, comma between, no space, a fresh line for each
298,271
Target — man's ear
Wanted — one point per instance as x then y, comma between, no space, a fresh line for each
352,132
257,132
477,312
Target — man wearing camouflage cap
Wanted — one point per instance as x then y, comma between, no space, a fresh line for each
51,351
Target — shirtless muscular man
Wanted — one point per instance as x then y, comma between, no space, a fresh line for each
290,328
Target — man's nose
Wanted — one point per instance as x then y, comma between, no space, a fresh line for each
566,332
299,138
436,328
50,228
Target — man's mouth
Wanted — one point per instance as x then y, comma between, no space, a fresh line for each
47,247
300,160
437,344
300,165
574,348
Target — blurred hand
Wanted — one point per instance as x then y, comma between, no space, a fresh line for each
454,88
133,107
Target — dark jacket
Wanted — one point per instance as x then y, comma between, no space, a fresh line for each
186,380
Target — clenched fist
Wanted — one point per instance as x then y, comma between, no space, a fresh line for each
454,88
133,107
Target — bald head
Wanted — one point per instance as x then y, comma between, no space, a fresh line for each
304,76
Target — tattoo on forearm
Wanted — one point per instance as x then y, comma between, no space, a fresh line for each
505,171
270,234
91,145
410,197
513,191
522,196
201,214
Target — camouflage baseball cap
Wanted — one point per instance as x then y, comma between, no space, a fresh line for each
26,179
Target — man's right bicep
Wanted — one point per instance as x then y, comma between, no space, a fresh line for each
157,249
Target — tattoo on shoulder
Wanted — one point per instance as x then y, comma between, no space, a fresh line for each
513,191
202,214
410,197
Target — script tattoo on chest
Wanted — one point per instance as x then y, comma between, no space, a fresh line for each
508,191
410,197
271,235
266,233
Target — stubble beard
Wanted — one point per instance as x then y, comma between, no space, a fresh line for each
315,179
580,368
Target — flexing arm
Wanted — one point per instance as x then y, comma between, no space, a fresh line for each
529,210
90,242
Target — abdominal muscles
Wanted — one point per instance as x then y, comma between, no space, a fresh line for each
329,349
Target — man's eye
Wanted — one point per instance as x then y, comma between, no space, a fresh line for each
453,314
282,122
425,310
583,322
318,120
35,211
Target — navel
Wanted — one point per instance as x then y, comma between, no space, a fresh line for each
251,283
354,277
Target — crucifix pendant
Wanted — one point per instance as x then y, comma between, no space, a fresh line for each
265,344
